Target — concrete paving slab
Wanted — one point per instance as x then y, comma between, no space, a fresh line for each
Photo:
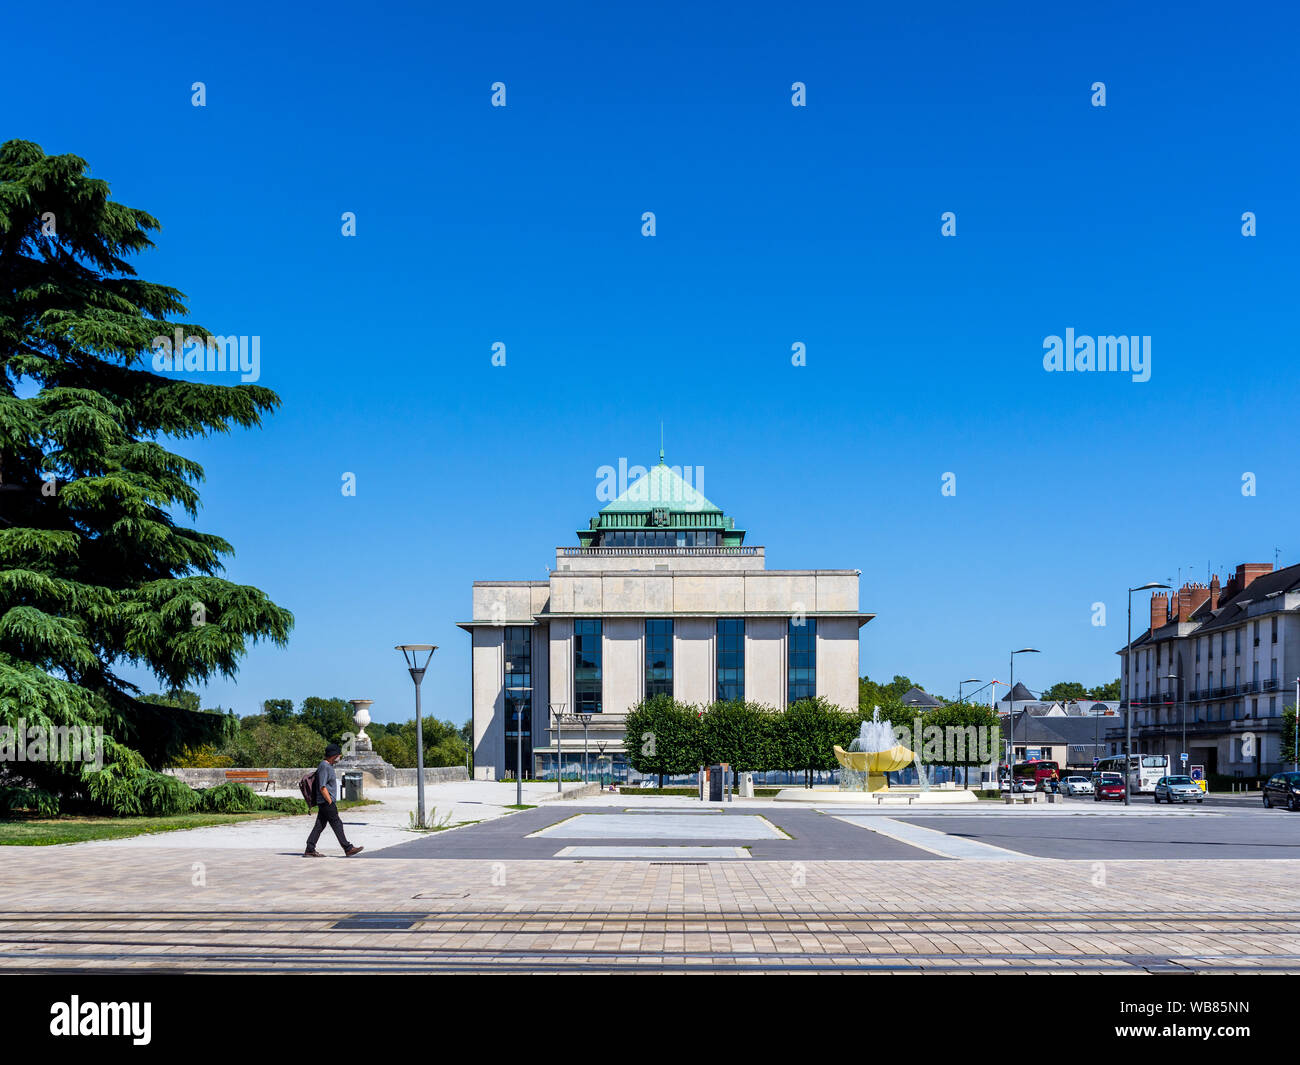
374,827
674,826
653,854
935,841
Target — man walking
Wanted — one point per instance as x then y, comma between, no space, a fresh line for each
327,812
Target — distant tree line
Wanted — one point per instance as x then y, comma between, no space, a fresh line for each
281,736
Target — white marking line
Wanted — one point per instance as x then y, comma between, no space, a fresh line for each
940,843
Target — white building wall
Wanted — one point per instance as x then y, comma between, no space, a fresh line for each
488,658
694,669
622,664
765,661
560,679
837,661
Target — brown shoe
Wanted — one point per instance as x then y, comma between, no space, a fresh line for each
312,854
352,850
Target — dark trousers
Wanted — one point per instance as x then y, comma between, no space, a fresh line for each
327,814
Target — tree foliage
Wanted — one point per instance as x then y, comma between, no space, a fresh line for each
97,571
663,737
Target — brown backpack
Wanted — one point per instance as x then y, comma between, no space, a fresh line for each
307,785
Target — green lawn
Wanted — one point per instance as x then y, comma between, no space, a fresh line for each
24,831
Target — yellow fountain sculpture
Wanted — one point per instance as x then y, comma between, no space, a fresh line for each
875,764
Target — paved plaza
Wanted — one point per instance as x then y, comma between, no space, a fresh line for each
619,883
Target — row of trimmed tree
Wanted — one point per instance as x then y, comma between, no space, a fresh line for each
669,738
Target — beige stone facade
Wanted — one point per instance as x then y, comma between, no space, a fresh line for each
623,587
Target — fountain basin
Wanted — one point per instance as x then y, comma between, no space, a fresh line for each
896,796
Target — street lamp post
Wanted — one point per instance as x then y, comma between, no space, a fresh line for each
586,724
558,710
411,653
1011,709
1128,668
963,683
519,737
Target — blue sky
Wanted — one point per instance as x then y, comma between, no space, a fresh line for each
775,225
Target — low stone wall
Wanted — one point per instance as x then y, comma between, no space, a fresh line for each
405,778
288,778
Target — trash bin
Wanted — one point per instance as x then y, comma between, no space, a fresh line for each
353,787
718,781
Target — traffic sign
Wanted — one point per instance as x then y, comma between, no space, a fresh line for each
1183,757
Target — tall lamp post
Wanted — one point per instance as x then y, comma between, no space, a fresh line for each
519,737
1011,709
411,653
962,683
1128,668
558,710
586,723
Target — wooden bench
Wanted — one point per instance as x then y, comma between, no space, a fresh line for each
250,778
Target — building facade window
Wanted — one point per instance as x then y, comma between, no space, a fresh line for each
1275,630
660,538
658,657
518,684
587,686
801,659
731,659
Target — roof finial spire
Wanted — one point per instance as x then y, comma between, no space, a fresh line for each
661,443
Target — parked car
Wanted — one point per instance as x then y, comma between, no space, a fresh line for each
1025,785
1178,789
1110,786
1077,786
1004,784
1282,789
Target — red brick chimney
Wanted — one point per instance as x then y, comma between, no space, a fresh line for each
1190,597
1248,572
1214,592
1159,610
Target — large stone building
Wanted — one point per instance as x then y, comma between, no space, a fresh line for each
661,594
1224,660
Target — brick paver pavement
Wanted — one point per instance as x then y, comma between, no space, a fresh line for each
85,908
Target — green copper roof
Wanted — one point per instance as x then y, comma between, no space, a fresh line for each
662,500
663,486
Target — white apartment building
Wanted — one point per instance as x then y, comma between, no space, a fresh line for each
660,595
1223,661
